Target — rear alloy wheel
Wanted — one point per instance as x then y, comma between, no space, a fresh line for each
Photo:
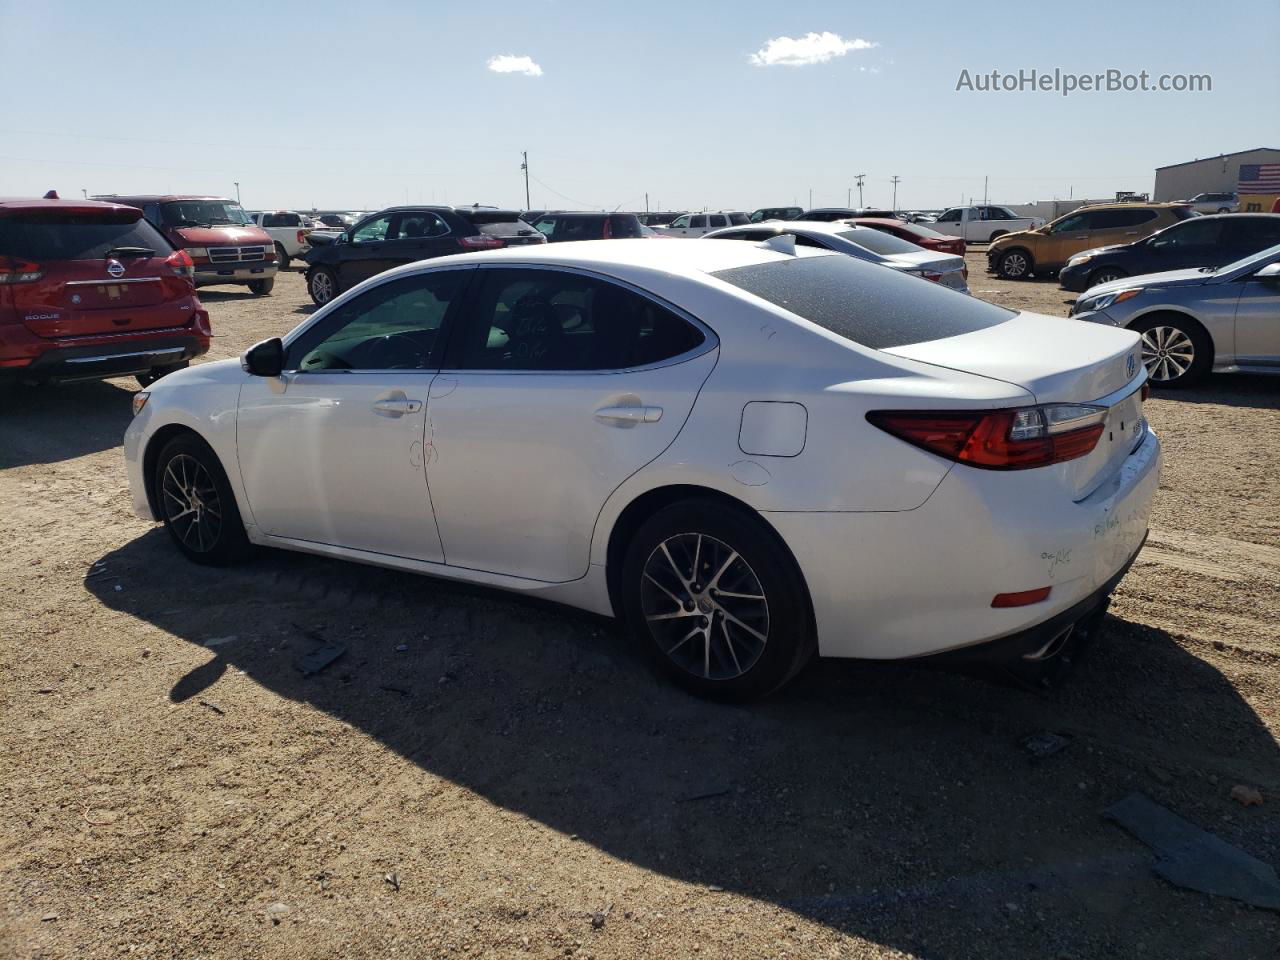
260,288
282,258
322,285
1014,265
155,373
197,505
713,595
1176,353
1105,275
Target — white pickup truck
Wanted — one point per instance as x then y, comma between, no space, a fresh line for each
288,229
982,224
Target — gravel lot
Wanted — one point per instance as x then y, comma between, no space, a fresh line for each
488,776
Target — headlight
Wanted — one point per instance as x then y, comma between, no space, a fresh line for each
1105,300
1079,258
197,251
140,400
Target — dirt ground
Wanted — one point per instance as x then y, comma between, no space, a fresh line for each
486,776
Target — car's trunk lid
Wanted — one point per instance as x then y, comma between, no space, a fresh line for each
1057,361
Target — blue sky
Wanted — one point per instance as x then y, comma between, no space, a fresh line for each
365,105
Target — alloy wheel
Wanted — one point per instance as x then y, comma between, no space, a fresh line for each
191,503
704,606
1014,265
322,287
1167,353
1104,276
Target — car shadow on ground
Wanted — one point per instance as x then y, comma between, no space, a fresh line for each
52,423
226,296
1255,390
893,802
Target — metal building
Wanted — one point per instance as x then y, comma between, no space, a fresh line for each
1181,181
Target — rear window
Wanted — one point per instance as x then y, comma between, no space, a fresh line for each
920,231
868,304
878,242
75,236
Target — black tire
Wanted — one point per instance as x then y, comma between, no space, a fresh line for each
322,284
996,235
733,663
197,504
1015,264
1106,275
282,258
1176,350
260,288
155,373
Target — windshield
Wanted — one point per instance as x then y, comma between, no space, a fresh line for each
202,213
884,244
863,302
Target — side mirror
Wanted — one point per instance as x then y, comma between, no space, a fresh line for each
265,359
1270,273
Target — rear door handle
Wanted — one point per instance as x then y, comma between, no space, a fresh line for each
622,415
397,407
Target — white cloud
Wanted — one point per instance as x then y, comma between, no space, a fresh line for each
508,63
811,48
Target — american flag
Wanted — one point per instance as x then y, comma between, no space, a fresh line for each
1259,178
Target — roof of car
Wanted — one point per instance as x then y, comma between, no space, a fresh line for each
1129,204
160,197
65,206
883,221
793,226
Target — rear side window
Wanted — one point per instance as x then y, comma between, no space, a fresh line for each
1254,234
624,226
1115,219
863,302
877,242
738,219
554,320
513,227
76,236
418,226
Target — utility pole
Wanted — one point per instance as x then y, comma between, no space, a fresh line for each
84,193
848,196
811,198
646,203
525,167
895,180
237,183
860,177
984,191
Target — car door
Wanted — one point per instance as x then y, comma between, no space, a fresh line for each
331,451
1068,235
679,227
365,253
557,386
417,235
1258,319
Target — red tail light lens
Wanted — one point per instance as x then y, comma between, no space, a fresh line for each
14,270
1016,439
302,236
181,264
480,242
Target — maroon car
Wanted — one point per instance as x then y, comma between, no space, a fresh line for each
915,233
91,290
223,243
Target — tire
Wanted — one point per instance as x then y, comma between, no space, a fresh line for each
1015,264
760,644
1105,275
207,529
996,236
322,285
282,258
1224,209
260,288
155,373
1175,350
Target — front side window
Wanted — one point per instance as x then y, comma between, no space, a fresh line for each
1193,233
372,231
1072,222
525,320
395,326
949,216
681,221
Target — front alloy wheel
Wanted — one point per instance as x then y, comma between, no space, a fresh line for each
1168,353
192,507
1105,275
704,606
1014,265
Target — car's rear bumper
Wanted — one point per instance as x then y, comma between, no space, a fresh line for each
65,364
209,274
919,582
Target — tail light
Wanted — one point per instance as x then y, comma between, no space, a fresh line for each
14,270
934,277
1016,439
302,236
480,242
181,264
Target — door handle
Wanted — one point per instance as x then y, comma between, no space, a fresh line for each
1131,233
397,408
621,415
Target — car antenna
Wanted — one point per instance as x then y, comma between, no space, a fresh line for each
781,243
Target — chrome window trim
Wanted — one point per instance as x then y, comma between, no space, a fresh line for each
111,281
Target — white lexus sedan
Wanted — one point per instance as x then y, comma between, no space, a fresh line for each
747,452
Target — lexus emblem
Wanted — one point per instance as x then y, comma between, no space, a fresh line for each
115,268
1131,366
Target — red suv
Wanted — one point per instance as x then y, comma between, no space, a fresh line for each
223,243
91,290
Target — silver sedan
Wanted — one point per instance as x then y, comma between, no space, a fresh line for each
1224,319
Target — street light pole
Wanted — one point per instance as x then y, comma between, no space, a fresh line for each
894,180
237,183
860,177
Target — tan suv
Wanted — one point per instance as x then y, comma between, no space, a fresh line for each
1044,250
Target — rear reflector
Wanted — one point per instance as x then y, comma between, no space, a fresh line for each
1023,598
1016,439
